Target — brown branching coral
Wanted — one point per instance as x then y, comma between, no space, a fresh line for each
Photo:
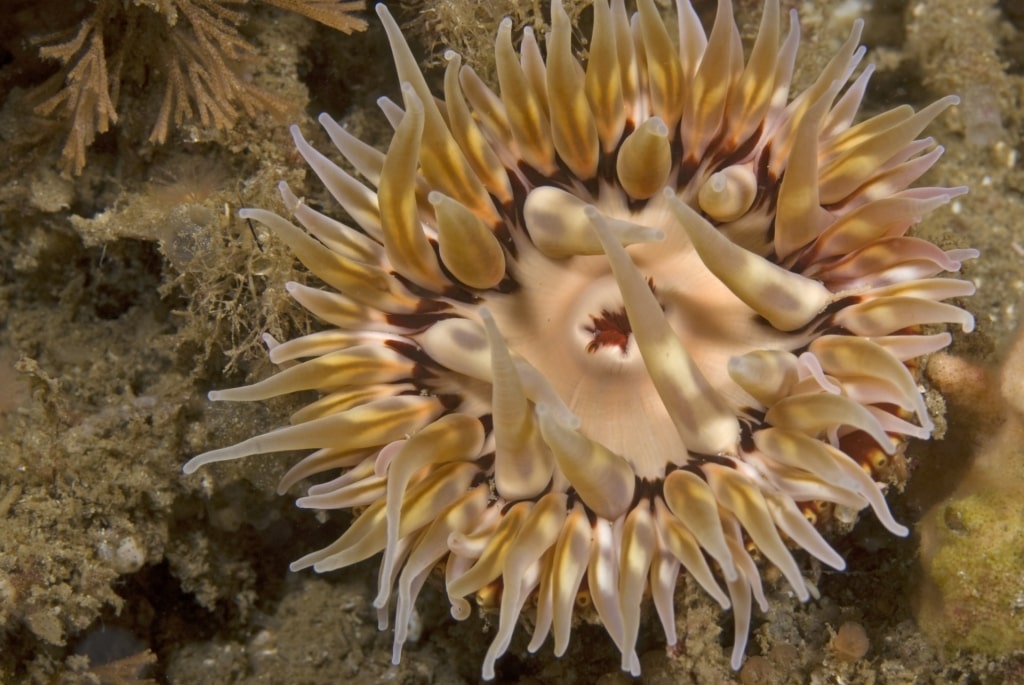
188,51
85,100
200,83
337,15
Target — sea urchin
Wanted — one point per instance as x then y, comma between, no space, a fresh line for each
621,318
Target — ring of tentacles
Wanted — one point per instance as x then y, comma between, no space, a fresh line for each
623,317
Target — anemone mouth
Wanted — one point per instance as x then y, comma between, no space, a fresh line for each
627,318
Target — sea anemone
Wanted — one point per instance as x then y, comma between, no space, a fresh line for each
625,317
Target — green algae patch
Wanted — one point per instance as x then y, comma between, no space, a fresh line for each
971,595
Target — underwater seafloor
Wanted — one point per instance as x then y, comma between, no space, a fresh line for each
128,292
